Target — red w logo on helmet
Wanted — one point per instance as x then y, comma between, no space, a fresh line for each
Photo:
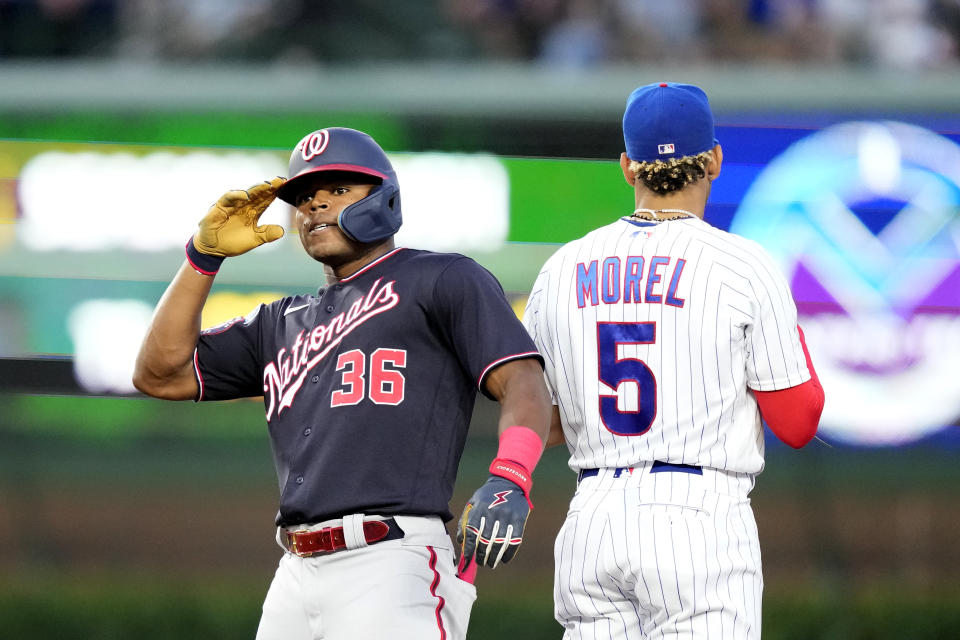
313,144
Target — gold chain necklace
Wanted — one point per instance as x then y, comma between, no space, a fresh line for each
651,214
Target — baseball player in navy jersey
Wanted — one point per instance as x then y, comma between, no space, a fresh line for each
664,341
368,388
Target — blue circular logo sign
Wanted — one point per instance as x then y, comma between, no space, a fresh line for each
864,219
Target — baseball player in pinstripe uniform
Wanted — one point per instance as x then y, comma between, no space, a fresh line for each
665,339
368,387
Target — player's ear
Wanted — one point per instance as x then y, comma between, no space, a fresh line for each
628,175
713,167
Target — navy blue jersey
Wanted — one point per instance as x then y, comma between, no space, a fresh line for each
369,385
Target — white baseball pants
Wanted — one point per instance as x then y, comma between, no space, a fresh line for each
659,555
404,588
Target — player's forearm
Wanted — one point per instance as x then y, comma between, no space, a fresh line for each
164,366
524,423
523,396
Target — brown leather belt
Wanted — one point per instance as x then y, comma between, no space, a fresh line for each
306,543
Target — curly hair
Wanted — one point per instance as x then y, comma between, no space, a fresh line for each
671,175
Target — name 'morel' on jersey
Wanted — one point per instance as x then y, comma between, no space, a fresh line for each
672,322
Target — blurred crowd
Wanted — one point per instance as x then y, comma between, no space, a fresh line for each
902,34
907,34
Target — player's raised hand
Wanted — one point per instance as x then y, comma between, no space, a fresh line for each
231,227
491,526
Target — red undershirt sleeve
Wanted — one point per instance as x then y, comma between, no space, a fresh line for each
793,414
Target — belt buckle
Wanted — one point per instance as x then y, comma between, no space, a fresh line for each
292,539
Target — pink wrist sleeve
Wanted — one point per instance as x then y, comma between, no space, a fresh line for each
522,445
519,452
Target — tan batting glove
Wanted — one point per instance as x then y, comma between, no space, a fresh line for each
230,227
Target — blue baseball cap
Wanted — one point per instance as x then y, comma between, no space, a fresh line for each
667,120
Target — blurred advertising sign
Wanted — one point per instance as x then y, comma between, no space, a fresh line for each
106,334
864,218
102,199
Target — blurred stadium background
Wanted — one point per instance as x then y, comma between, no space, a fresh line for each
122,120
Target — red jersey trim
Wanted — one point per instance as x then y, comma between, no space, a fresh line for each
369,266
496,363
196,370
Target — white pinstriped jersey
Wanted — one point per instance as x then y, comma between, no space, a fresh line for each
652,334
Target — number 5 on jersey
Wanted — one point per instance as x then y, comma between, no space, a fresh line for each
386,382
616,371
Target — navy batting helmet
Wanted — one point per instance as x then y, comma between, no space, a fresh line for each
372,219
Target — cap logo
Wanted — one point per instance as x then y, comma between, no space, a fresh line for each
665,148
313,144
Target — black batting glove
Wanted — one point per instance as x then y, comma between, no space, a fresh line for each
491,526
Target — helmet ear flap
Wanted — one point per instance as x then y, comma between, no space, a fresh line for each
375,218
